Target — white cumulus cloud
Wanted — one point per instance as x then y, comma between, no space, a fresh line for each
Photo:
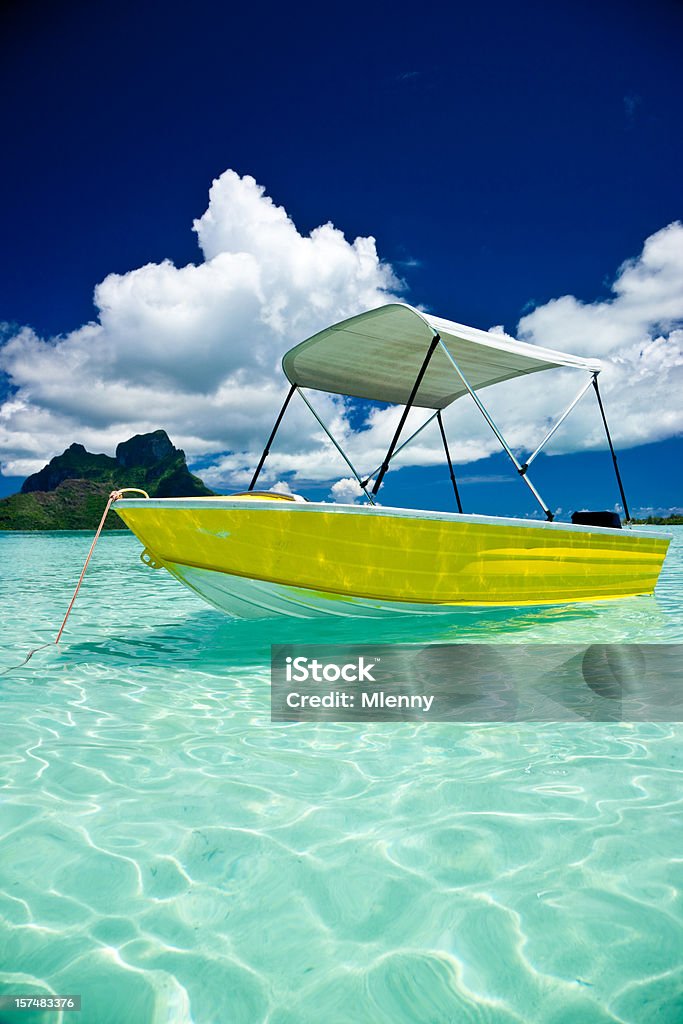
637,333
346,491
194,349
197,350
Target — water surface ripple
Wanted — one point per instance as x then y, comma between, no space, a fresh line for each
174,857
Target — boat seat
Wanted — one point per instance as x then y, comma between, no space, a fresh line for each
584,518
268,496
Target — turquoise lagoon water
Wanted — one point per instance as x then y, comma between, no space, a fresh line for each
174,857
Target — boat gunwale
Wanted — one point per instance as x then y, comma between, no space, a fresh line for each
229,504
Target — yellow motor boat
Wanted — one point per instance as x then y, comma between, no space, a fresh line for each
260,554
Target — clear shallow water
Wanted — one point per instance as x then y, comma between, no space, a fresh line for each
173,856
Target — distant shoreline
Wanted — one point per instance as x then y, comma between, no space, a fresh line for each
673,520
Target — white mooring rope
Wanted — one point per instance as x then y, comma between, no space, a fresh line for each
114,496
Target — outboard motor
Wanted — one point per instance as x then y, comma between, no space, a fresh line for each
610,519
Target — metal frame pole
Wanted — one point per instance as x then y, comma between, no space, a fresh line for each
339,449
436,340
611,448
559,423
402,446
448,459
273,432
496,431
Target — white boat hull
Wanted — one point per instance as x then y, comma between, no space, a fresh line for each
259,599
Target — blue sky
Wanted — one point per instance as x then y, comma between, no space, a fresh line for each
501,157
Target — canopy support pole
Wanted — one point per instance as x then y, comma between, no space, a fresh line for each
559,423
339,449
482,409
611,448
448,460
402,446
278,421
436,340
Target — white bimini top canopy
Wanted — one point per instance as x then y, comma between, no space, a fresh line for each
378,355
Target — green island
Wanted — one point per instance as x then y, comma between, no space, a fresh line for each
70,492
675,519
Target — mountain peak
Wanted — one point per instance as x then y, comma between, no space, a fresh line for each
70,491
146,449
